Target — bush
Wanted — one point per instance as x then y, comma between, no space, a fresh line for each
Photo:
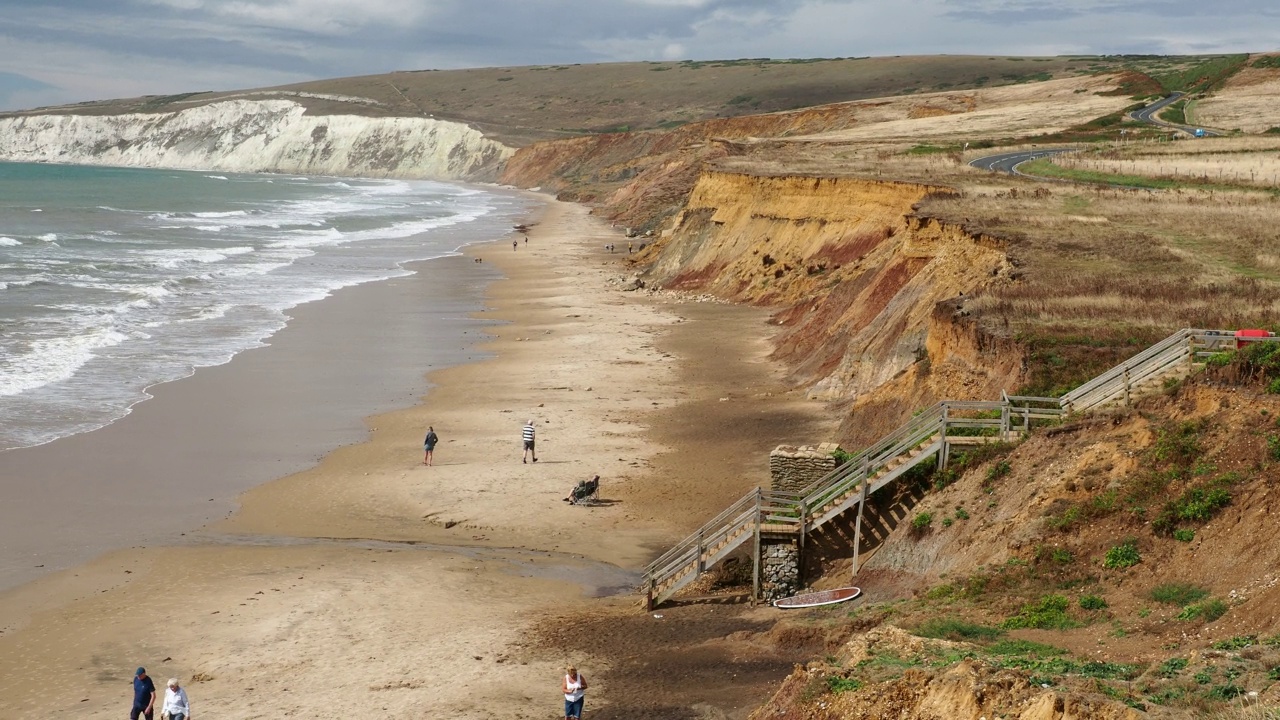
1180,443
838,685
1122,556
1171,667
1184,535
1196,504
1239,642
999,470
1092,602
841,455
921,521
1179,594
1207,611
1273,447
961,514
1048,613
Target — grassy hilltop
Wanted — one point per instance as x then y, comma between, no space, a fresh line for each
519,105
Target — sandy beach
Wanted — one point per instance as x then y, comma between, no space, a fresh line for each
372,585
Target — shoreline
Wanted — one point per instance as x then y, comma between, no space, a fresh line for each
181,458
358,580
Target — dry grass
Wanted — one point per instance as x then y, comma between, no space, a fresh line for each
1248,711
992,113
1250,161
1250,102
1103,271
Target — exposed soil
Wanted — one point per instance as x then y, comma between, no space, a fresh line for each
681,662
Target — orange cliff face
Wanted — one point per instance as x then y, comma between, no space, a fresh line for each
861,280
857,277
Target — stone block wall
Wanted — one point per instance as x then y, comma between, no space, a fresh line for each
780,570
792,468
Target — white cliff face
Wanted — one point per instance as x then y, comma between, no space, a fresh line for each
258,136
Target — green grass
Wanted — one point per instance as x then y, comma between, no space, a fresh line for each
1239,642
1203,76
1047,613
838,685
957,629
1207,611
1180,594
1184,535
1175,113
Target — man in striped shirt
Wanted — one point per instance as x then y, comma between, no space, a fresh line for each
527,435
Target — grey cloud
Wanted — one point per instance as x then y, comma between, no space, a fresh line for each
256,42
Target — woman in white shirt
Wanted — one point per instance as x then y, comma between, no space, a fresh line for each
176,706
574,687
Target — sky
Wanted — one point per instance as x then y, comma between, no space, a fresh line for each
61,51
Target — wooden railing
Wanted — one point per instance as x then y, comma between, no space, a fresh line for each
930,433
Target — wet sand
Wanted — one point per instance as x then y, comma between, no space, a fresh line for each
370,584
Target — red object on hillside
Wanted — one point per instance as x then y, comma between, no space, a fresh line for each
1243,337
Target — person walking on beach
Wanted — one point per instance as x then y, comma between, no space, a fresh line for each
144,696
176,706
574,687
527,435
429,445
515,245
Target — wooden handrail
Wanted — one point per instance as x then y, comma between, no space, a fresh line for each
928,429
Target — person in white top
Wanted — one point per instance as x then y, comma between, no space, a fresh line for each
574,687
176,705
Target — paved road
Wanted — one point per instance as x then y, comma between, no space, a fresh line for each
1148,113
1009,162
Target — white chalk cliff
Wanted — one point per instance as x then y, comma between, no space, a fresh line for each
258,136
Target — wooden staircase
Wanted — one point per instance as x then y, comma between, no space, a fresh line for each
931,433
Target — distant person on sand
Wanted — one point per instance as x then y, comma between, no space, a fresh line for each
144,696
515,244
527,435
429,445
526,239
176,706
628,247
574,687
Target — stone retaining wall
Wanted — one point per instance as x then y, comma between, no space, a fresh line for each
780,570
793,468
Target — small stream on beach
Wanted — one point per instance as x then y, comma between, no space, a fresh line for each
597,579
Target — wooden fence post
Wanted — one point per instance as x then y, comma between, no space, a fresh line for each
857,527
755,579
1127,400
944,456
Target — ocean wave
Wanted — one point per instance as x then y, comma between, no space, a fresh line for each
216,177
211,228
9,242
220,214
49,237
53,359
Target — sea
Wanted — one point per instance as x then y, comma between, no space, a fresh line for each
113,280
